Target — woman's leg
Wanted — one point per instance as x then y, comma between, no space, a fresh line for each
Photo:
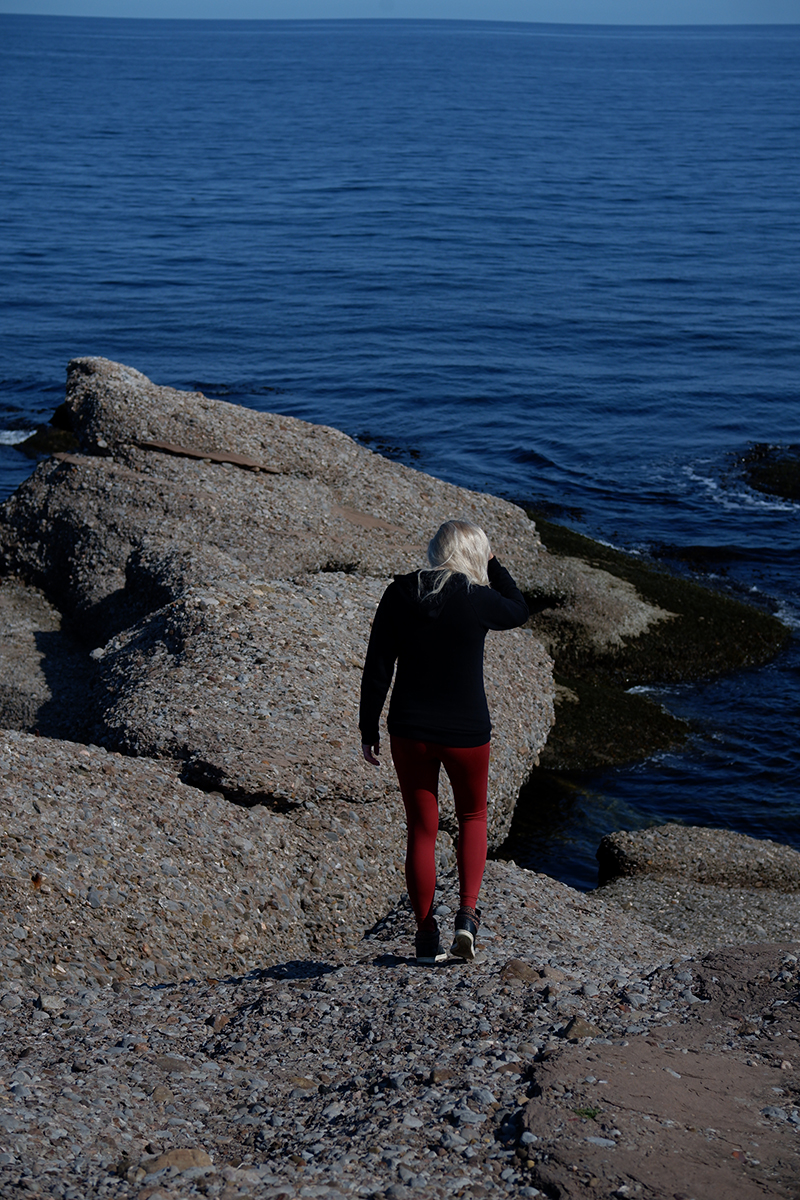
418,776
468,771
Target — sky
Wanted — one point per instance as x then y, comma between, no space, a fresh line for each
603,12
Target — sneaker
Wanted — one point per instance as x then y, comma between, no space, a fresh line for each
428,946
467,921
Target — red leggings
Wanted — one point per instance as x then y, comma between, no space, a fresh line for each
417,765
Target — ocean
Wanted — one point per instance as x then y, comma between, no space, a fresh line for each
558,263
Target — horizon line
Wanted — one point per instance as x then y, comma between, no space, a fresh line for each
387,20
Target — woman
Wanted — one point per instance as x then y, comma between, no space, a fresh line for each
433,624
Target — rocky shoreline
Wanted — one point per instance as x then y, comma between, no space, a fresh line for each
173,1024
205,981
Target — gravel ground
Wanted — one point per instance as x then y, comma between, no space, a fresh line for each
342,1068
197,998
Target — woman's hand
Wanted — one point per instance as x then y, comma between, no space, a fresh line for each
370,752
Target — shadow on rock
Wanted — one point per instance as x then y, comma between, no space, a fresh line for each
68,673
299,969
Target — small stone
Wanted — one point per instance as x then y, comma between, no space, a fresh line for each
579,1027
517,968
172,1065
466,1116
51,1004
182,1159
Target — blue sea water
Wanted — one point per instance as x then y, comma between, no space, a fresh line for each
559,263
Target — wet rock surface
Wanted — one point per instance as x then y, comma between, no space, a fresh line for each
599,721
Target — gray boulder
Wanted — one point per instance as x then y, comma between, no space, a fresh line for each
224,566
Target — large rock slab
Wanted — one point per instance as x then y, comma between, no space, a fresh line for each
258,486
703,887
710,856
112,869
253,685
225,566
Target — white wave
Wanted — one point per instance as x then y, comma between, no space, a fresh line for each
742,497
757,501
657,689
789,616
12,437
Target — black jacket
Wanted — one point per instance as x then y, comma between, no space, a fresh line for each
437,643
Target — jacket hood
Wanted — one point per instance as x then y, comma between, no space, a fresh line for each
427,605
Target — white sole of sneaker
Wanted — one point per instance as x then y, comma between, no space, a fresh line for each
463,945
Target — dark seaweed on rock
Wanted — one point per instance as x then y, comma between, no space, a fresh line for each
709,633
689,632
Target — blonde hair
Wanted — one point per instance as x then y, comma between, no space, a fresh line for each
457,548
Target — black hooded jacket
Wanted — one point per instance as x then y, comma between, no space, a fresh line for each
437,643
